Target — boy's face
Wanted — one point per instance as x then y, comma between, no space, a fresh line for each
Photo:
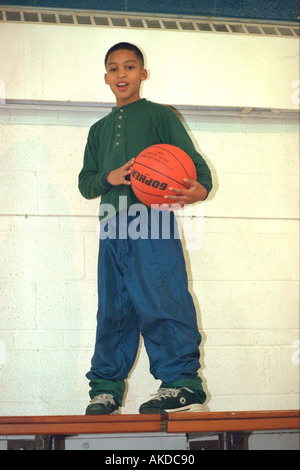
124,75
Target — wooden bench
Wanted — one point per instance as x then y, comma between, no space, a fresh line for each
69,425
205,422
233,421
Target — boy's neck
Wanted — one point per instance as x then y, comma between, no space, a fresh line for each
121,102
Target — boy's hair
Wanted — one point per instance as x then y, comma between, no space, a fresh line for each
127,46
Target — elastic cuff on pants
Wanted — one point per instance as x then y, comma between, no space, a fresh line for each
115,387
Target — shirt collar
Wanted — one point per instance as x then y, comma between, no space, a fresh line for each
130,105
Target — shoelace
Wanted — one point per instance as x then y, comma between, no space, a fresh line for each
103,399
166,392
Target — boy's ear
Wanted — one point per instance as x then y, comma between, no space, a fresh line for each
144,75
106,79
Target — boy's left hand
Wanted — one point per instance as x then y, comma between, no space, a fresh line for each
195,193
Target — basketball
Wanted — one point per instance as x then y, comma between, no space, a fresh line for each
156,169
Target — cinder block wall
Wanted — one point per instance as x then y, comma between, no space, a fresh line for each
243,268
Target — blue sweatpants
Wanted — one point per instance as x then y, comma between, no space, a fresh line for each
143,288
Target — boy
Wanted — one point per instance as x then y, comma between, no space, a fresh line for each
142,282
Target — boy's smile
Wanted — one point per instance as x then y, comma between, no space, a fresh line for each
124,76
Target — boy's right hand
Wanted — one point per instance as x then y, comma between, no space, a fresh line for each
118,176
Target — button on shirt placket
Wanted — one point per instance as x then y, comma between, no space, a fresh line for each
119,129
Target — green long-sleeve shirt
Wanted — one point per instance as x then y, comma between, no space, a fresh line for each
122,135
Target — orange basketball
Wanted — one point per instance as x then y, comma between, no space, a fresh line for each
156,169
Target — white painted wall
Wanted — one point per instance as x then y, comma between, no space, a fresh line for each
244,270
46,62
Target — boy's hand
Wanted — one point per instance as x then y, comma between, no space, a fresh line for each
195,193
118,176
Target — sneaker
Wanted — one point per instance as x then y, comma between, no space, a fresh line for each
103,404
171,400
